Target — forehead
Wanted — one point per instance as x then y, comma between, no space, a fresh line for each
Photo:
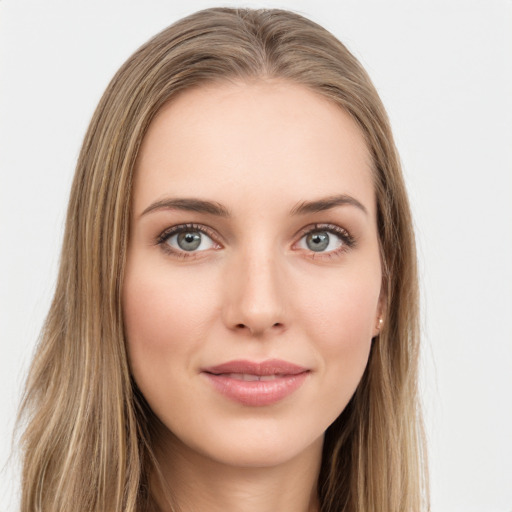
259,141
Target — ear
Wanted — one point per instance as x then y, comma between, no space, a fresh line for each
380,316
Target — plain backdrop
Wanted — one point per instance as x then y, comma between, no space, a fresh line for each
444,71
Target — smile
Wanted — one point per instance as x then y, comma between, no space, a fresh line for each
256,384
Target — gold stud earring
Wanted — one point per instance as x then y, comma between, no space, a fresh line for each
381,322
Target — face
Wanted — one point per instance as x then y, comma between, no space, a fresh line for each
253,277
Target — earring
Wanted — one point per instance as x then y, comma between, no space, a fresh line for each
381,322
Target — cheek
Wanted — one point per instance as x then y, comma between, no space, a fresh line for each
341,314
340,319
161,313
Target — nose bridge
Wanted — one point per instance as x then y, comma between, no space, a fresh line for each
256,294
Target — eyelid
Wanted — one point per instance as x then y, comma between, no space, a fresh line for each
180,228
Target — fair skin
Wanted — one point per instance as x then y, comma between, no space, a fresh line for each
276,257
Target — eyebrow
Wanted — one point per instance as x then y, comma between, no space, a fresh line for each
327,203
190,205
214,208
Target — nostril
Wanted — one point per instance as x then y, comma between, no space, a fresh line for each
240,326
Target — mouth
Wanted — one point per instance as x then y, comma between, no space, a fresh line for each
247,377
256,384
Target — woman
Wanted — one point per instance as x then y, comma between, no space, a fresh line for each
235,320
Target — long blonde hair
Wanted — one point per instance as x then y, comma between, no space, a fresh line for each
87,440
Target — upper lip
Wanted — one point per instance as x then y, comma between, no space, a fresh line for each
269,367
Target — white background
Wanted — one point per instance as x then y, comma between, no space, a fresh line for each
444,71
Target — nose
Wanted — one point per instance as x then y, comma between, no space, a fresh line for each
255,295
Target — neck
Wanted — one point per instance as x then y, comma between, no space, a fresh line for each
190,481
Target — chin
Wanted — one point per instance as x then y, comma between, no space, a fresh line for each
266,453
251,443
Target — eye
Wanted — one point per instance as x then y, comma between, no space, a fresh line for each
186,239
326,239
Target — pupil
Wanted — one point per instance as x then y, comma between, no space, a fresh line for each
189,241
317,241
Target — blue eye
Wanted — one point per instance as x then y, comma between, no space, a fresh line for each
326,239
318,242
187,239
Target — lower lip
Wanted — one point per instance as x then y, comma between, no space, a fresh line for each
257,393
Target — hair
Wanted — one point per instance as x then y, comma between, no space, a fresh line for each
87,437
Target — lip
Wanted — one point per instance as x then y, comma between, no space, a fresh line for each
256,384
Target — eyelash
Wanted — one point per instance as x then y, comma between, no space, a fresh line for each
348,241
183,228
